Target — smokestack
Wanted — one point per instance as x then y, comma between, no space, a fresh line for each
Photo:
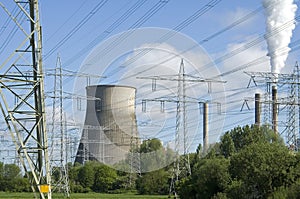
274,109
257,109
205,127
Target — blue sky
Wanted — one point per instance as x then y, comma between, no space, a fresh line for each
60,19
57,14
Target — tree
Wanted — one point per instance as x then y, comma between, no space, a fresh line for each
150,145
11,171
238,138
1,170
154,156
209,177
11,179
86,176
227,147
262,167
56,174
155,182
248,162
293,191
105,177
73,173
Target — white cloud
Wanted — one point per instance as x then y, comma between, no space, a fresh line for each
236,14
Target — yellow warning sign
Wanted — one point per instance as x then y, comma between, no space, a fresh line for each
44,188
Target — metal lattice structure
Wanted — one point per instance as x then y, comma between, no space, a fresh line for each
22,79
289,99
135,159
181,167
58,153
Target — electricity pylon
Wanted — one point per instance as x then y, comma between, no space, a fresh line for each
291,101
181,167
58,152
22,79
58,133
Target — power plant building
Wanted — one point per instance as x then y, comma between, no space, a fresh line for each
110,124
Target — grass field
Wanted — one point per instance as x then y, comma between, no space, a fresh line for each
7,195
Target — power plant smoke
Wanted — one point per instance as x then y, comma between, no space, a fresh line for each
279,12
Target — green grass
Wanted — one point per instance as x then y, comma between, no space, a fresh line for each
7,195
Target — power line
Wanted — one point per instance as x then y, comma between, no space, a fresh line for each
77,27
179,27
169,35
109,30
63,24
152,11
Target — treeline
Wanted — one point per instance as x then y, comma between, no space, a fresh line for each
248,162
97,177
12,180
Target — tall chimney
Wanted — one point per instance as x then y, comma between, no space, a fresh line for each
257,109
274,109
205,127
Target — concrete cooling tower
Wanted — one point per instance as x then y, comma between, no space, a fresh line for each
110,124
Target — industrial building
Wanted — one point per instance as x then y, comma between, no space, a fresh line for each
110,124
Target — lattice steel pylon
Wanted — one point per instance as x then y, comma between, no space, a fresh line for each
290,100
181,125
134,155
292,136
58,152
22,79
181,166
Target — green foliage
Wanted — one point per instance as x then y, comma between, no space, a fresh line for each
1,170
11,179
150,145
235,188
209,177
240,137
92,195
11,171
279,193
293,192
55,174
219,195
263,167
248,162
154,155
105,177
97,177
93,176
155,182
86,176
227,147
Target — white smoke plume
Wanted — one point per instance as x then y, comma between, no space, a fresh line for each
278,13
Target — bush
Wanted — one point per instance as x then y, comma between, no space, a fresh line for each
76,188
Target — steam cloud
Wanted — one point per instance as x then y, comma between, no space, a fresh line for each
279,12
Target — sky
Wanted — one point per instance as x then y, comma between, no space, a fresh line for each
76,30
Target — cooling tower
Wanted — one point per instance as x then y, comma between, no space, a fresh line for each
110,124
